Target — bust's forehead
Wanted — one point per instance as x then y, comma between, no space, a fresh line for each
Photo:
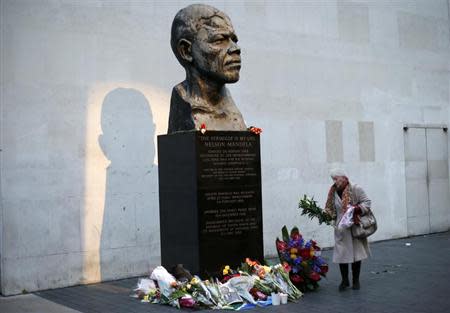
217,23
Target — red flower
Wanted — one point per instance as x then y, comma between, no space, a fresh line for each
324,269
314,276
228,277
203,128
281,245
286,267
296,236
255,130
315,246
297,279
305,254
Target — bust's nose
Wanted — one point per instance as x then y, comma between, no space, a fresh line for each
234,48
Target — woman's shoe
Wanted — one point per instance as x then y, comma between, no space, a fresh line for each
344,285
356,285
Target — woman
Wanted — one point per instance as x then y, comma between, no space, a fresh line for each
346,248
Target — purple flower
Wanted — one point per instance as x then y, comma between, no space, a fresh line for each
319,261
298,260
301,242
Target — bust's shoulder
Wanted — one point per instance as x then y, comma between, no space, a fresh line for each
180,91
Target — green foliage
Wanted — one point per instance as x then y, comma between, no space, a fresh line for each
312,210
285,234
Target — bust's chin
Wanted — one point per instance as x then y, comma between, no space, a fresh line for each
233,80
232,76
228,77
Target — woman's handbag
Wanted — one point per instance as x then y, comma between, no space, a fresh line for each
366,227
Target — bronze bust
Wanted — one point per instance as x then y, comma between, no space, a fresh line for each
205,44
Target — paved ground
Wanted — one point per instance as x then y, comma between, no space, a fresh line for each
398,278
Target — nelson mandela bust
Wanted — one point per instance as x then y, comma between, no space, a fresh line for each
205,44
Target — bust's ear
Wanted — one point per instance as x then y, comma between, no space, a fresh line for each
184,49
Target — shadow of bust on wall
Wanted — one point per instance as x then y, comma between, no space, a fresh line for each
127,140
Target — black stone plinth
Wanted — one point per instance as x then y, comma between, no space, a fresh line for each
210,199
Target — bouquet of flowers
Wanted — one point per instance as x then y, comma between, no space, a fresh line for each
301,259
269,279
309,207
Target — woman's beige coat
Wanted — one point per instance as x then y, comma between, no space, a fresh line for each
346,248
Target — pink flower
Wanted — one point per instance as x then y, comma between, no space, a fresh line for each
187,302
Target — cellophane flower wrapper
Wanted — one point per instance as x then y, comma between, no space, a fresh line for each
145,286
165,280
347,219
243,284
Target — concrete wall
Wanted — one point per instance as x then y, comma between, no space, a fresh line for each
85,88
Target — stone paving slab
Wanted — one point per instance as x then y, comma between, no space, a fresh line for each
397,278
32,304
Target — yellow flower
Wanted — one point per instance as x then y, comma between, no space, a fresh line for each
194,281
312,252
225,272
267,268
188,286
293,256
294,251
227,267
146,297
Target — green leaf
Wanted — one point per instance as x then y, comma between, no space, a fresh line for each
294,230
285,234
312,210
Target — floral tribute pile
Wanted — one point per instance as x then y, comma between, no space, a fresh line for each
249,286
301,259
252,284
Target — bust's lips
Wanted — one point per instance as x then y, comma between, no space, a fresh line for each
233,63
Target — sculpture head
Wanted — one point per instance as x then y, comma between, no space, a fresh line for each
204,42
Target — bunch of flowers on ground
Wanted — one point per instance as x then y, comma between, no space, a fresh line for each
270,279
301,259
249,286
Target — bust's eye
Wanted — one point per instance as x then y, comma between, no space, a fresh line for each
219,39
